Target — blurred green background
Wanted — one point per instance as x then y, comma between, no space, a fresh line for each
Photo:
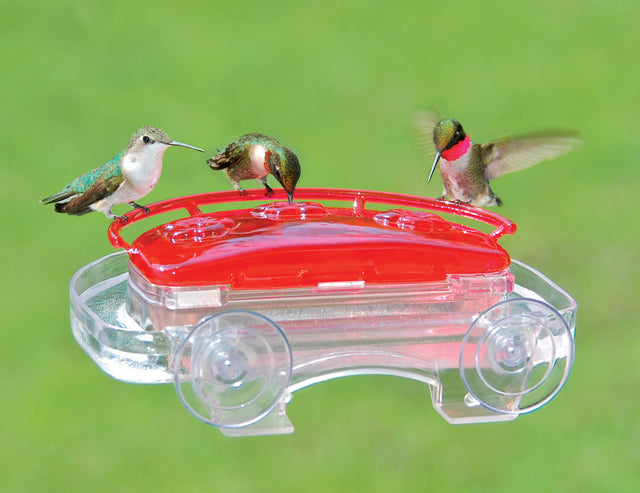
336,81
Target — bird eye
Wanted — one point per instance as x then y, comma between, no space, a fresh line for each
146,139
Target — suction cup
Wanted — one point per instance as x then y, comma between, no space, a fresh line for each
516,356
233,369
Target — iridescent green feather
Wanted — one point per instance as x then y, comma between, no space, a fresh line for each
110,173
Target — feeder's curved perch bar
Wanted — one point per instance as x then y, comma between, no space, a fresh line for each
360,198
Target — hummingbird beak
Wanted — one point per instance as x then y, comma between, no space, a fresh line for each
435,162
290,194
174,143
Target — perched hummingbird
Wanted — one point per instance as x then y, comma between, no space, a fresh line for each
129,176
467,168
257,156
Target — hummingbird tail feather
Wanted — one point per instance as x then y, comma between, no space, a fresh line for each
217,164
64,209
58,197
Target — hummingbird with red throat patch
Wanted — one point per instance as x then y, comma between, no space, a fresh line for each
256,156
467,168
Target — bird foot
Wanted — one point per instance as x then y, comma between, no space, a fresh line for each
138,206
268,191
454,202
122,218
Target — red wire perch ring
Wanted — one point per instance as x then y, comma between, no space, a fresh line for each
360,199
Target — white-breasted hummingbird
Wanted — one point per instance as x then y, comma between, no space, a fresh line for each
256,156
466,168
128,177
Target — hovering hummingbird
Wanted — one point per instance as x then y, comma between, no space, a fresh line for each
467,168
257,156
129,176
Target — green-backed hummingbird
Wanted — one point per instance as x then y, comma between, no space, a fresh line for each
255,156
466,168
128,177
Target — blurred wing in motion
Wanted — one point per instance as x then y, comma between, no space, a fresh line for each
424,121
520,152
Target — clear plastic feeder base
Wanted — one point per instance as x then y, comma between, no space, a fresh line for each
237,368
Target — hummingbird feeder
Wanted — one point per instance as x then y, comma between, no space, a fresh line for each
241,307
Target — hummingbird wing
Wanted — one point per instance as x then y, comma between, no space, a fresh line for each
89,189
424,121
227,157
81,204
520,152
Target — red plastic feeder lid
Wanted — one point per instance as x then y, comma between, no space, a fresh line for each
277,245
